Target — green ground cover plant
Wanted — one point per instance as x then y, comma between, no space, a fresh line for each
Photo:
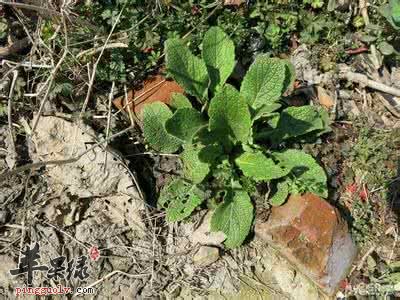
263,26
223,133
391,11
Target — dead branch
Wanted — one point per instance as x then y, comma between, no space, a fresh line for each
9,113
345,73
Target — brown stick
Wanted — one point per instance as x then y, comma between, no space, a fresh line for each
345,73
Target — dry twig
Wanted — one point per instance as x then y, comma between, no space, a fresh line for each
51,79
9,113
110,97
93,75
345,73
93,51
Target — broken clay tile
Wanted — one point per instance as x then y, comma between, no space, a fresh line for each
154,89
310,233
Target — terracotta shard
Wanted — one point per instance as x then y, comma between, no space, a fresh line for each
310,233
156,88
324,98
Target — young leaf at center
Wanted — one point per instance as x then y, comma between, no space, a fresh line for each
256,165
229,115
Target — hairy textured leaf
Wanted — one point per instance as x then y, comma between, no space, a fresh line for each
219,56
210,153
265,110
188,70
265,81
179,199
193,168
281,194
155,115
257,166
297,121
179,100
233,217
305,170
395,8
185,123
290,76
386,10
229,114
206,137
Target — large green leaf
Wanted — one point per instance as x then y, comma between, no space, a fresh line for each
265,110
388,10
230,115
179,199
305,170
194,168
265,81
290,76
297,121
188,70
179,100
185,123
395,7
257,166
155,115
233,217
211,153
219,56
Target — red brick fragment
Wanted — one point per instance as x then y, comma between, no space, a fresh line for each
310,233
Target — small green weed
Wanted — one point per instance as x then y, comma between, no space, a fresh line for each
221,131
373,158
391,11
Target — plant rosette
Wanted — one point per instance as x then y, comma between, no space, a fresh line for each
220,133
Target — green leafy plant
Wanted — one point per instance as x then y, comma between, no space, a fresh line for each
391,11
374,34
314,3
231,137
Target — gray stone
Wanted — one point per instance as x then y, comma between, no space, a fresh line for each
205,256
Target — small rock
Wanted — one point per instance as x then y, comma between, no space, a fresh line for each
310,233
206,256
203,235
